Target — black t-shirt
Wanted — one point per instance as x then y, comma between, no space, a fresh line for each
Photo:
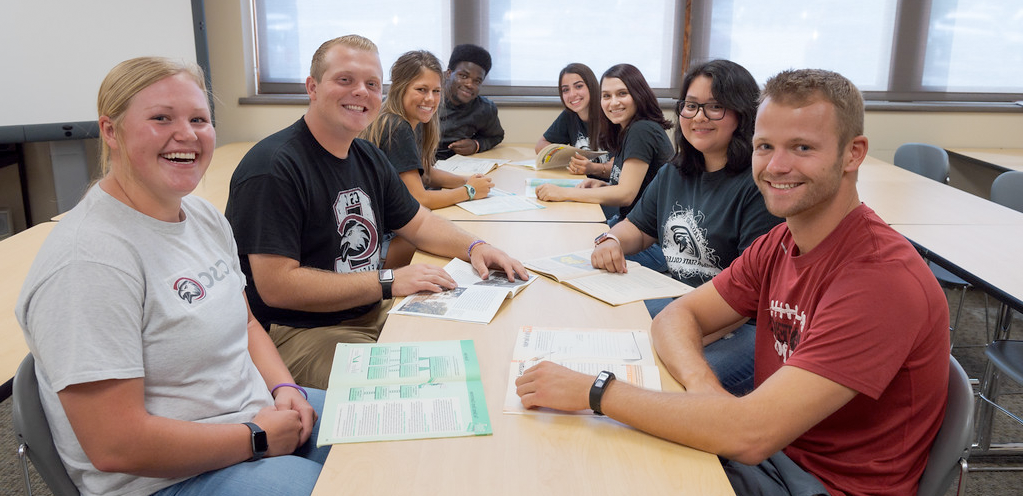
648,142
291,197
701,222
475,120
401,145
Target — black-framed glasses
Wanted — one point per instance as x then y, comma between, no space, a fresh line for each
713,111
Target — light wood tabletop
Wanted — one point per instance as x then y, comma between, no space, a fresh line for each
16,255
931,202
216,184
1002,159
527,454
988,254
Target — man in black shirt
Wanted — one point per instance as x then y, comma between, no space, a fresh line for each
468,121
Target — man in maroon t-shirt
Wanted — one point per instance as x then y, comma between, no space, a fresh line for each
851,359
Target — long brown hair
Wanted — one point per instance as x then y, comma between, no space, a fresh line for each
647,108
405,70
593,87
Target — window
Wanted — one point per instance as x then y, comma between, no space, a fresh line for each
529,40
894,50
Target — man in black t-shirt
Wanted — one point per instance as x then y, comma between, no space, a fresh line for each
468,121
308,206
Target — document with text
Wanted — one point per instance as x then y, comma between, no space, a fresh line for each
396,391
474,300
625,352
499,205
467,166
639,283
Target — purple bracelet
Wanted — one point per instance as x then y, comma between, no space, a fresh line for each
288,384
473,245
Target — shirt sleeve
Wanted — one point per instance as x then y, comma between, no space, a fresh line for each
265,211
643,143
490,133
558,132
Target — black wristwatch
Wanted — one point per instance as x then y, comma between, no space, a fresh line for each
386,277
597,390
259,443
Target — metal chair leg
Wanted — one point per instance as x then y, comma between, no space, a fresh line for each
23,458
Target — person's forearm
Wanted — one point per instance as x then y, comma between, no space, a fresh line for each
678,341
613,196
490,136
441,237
440,198
312,290
266,358
444,179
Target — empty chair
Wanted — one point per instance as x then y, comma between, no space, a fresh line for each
1007,190
927,160
932,162
952,444
32,431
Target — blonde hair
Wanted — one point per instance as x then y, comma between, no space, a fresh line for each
804,86
354,41
405,70
125,81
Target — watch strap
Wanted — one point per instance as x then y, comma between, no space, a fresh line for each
604,237
598,388
386,278
469,189
259,441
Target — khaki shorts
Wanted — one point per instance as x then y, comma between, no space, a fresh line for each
309,352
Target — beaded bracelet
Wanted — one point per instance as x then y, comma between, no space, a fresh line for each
473,245
288,384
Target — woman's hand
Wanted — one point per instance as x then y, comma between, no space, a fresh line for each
551,193
481,183
590,183
579,164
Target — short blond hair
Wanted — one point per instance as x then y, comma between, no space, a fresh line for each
803,86
354,41
126,80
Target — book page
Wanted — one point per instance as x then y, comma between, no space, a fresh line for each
398,391
465,275
467,166
533,182
565,266
558,155
499,204
477,304
626,353
639,283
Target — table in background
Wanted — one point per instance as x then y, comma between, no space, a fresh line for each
16,255
527,454
216,184
974,169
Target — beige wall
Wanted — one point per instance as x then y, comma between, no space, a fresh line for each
230,42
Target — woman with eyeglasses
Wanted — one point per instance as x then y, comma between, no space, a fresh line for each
704,209
632,130
576,124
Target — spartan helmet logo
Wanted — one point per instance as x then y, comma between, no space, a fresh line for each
189,289
686,242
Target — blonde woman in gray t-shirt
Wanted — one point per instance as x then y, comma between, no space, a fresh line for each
153,373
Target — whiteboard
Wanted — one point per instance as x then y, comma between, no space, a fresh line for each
57,52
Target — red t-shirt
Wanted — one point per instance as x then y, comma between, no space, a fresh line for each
861,309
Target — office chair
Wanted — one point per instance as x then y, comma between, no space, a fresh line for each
32,431
1005,357
932,162
952,444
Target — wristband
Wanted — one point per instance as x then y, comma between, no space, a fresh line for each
604,237
477,146
473,245
597,390
288,384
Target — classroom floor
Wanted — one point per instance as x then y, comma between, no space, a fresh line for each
969,352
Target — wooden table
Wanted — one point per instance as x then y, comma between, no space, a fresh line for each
930,202
16,255
974,169
1000,159
527,454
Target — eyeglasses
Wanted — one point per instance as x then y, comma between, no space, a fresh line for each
712,111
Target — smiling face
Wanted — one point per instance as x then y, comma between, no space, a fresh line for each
422,97
709,137
464,82
797,163
167,139
616,101
575,95
348,96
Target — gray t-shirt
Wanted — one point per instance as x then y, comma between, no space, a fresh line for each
115,294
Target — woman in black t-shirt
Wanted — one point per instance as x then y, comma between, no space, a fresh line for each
580,94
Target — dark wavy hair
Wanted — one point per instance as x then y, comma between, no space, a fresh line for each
734,87
646,106
593,87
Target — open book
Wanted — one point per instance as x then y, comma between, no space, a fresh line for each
467,166
555,155
393,391
625,352
474,300
533,182
639,283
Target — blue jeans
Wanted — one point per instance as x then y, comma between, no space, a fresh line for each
731,357
651,258
279,475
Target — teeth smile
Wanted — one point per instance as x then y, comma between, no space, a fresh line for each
179,156
784,186
356,108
